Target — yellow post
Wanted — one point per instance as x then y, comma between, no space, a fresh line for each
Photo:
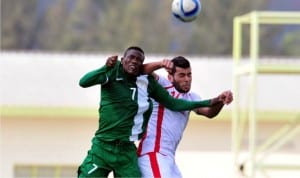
237,54
253,68
254,33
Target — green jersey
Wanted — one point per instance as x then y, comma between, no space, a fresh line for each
125,105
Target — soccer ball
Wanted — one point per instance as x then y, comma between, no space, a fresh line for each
186,10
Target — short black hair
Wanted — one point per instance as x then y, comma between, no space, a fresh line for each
134,48
181,62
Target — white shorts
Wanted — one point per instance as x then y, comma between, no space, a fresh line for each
158,165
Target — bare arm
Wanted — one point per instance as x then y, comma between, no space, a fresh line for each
217,104
149,68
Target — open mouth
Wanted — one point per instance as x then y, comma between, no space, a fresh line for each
133,67
186,86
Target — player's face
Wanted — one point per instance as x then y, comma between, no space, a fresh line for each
133,62
182,79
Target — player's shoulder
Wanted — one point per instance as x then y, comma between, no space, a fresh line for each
116,71
146,78
194,96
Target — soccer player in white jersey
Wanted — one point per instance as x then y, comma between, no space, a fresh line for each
157,148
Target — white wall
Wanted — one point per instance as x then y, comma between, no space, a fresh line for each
52,80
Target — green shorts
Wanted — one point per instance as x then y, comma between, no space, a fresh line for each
116,156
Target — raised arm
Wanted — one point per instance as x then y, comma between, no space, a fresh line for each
98,76
162,96
150,67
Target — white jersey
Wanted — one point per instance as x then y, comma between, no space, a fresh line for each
165,127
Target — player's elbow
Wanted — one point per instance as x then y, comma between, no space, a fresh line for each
83,84
211,116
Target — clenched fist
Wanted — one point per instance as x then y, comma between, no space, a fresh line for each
111,61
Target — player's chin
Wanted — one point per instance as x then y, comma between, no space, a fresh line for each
133,72
186,89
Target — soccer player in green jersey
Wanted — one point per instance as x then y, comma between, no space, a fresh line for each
125,108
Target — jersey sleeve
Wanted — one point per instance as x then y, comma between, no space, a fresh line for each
159,94
99,76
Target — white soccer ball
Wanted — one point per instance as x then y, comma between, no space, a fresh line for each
186,10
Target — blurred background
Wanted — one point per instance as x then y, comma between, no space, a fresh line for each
47,121
112,25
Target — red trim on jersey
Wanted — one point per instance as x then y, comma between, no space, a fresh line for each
169,87
154,165
173,94
160,116
140,147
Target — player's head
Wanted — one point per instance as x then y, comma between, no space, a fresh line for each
181,74
133,60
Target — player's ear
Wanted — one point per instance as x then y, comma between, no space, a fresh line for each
122,60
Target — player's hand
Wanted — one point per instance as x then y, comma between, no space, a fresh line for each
226,97
167,64
111,61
